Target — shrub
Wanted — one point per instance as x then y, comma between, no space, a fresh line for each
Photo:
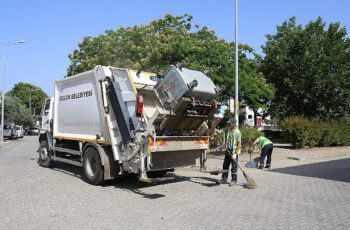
249,135
301,132
294,131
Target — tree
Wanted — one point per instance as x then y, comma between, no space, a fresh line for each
310,68
170,40
29,94
16,112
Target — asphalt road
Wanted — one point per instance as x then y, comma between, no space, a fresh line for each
309,196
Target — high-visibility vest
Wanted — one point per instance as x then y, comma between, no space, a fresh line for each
233,144
227,134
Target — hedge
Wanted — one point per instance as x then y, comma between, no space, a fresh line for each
301,132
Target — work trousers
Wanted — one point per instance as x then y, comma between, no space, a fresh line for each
227,162
266,151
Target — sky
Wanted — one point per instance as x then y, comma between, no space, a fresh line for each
53,28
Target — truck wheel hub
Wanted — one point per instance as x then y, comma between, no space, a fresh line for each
91,165
43,154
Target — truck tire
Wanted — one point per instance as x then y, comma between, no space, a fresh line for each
45,155
93,169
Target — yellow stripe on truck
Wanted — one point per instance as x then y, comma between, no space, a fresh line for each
81,139
131,80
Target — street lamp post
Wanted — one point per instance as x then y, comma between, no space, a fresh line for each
236,64
3,87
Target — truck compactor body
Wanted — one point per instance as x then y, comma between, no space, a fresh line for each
116,121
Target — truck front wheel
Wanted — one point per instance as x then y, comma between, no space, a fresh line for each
93,170
45,155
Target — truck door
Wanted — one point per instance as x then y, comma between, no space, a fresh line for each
46,115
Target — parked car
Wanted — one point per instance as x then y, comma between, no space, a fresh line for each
10,131
33,131
19,131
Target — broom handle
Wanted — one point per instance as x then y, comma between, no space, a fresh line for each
239,166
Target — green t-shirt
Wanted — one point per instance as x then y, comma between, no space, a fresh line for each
262,142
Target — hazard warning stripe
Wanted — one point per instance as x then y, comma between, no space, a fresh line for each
203,142
164,143
158,142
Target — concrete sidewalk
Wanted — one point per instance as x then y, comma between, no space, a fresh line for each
284,156
2,144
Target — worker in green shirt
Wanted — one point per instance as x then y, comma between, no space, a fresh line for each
266,147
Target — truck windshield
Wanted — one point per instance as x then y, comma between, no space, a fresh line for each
47,104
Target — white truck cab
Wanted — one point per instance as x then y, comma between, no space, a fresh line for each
46,115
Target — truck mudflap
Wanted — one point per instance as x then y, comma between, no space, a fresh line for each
176,151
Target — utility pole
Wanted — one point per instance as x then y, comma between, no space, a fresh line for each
30,99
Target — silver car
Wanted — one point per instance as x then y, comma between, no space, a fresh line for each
19,131
10,131
33,131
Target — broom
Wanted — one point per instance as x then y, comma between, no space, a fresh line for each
251,184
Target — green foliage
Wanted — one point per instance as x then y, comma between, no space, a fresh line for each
228,115
216,141
29,93
301,132
16,112
249,135
310,68
169,40
255,91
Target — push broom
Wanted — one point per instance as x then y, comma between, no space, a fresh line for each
251,184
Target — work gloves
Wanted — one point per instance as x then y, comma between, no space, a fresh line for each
233,155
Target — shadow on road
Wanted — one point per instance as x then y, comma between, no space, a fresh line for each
68,169
205,181
337,170
131,182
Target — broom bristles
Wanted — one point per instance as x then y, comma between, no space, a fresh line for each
251,184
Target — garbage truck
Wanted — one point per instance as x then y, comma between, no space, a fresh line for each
116,121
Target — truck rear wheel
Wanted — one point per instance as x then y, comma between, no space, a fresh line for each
93,170
45,155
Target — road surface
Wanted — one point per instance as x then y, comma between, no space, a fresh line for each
314,195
